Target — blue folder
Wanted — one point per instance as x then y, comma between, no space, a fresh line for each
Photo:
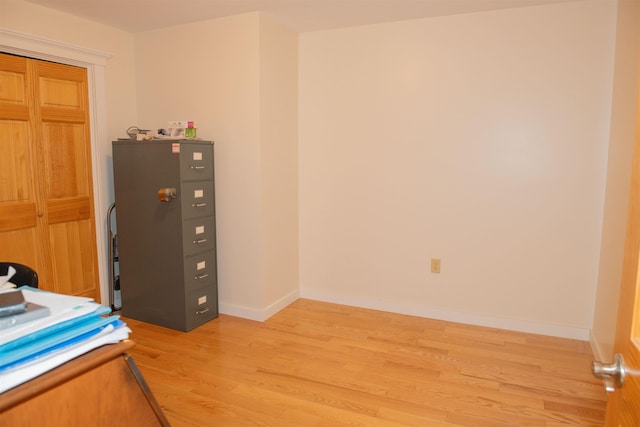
54,329
33,346
61,346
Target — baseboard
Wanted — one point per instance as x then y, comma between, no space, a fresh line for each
258,314
596,349
581,334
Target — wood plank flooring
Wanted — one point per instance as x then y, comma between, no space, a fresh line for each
321,364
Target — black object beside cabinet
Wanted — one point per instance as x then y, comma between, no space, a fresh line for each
165,216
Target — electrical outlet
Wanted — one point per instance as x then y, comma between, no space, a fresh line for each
435,265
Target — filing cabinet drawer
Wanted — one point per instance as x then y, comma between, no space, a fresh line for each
196,161
197,199
198,235
201,305
200,270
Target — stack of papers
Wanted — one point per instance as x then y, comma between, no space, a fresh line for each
74,326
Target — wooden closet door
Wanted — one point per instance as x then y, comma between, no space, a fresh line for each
18,219
46,192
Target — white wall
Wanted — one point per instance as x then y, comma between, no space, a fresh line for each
480,139
218,73
279,163
623,126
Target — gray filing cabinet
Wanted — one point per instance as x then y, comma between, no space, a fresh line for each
165,216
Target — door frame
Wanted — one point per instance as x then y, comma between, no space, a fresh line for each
94,61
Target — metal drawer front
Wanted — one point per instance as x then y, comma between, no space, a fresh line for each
198,235
197,199
200,270
196,161
201,305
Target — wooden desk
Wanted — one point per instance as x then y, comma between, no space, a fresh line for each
100,388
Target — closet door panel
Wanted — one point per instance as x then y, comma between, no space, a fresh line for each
66,166
67,193
62,87
16,216
20,247
13,74
15,161
73,266
18,197
68,210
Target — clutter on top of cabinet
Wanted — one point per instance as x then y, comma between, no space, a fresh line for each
137,134
175,130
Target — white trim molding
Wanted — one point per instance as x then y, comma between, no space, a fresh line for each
94,61
581,334
50,50
260,314
596,349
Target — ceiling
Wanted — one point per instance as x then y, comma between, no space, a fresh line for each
300,15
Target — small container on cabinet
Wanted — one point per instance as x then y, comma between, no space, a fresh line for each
165,217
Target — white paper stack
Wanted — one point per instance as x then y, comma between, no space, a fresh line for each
74,326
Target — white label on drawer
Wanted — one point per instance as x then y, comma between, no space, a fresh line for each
201,265
197,155
202,300
175,147
197,194
200,229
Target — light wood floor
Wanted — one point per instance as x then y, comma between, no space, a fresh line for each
320,364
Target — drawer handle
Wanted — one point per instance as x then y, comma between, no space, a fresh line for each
199,205
197,167
202,276
199,241
202,311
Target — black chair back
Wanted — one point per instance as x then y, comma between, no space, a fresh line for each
24,275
